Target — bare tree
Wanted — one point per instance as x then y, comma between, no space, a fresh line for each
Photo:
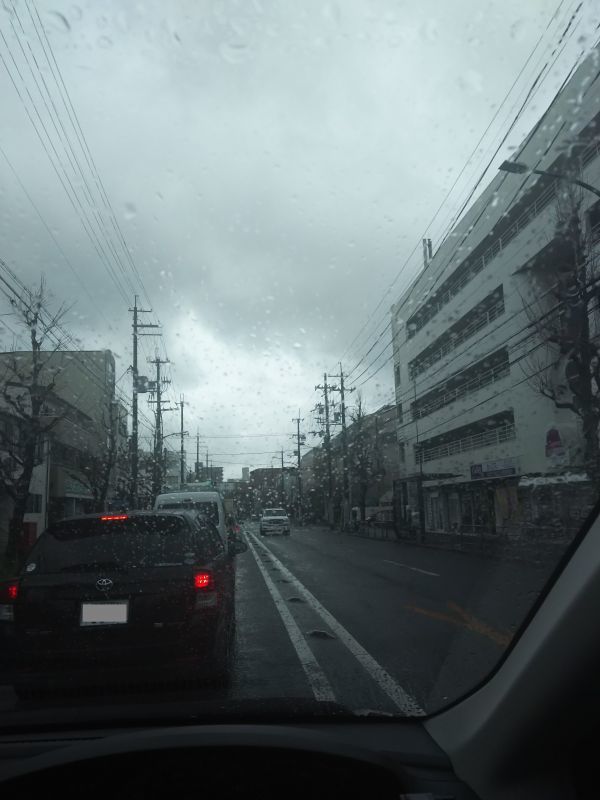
96,469
359,454
570,373
27,386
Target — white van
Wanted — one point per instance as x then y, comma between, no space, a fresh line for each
207,503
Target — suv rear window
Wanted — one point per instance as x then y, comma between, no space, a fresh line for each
275,512
89,544
207,509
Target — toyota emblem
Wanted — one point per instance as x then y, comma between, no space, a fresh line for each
104,584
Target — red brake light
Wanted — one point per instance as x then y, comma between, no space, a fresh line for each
203,580
111,517
9,592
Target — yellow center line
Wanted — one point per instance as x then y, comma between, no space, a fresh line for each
464,619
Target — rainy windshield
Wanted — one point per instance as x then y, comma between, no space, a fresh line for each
207,509
335,263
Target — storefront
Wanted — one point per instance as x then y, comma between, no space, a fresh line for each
487,503
556,503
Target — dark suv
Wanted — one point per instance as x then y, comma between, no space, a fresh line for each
126,598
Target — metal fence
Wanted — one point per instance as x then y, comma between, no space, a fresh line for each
449,341
498,435
435,305
485,378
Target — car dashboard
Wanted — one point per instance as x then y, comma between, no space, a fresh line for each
359,759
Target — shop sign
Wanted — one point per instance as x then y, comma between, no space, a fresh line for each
494,469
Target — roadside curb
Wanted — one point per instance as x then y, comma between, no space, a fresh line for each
502,551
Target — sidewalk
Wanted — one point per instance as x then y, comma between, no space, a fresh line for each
528,549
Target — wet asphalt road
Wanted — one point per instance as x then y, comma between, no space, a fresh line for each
367,624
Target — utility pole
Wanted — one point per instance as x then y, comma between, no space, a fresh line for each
158,436
182,434
347,483
326,388
299,441
197,455
282,481
138,387
420,496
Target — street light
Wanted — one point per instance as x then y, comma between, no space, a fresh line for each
518,168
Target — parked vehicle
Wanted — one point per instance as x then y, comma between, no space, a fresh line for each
274,520
130,598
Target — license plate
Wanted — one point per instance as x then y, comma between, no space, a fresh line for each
104,613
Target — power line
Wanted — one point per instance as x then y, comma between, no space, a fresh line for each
52,236
417,245
517,360
463,352
530,94
503,391
430,292
75,123
70,192
404,265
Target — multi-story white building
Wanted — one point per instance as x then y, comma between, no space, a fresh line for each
481,447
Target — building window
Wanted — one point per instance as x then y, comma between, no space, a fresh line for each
481,315
485,372
400,413
521,216
397,375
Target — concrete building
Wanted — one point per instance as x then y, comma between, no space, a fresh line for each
480,446
208,473
371,463
273,487
172,470
89,420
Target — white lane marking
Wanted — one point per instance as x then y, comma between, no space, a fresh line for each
414,569
403,700
316,677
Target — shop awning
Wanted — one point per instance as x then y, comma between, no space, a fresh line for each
553,480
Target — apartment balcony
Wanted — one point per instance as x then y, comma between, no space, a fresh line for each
496,436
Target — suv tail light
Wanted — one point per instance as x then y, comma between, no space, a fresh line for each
9,591
203,580
206,595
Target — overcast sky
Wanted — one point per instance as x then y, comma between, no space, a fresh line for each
271,166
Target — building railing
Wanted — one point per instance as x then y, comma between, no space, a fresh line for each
487,377
504,433
430,309
450,342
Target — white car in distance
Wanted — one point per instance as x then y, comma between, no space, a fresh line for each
274,520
